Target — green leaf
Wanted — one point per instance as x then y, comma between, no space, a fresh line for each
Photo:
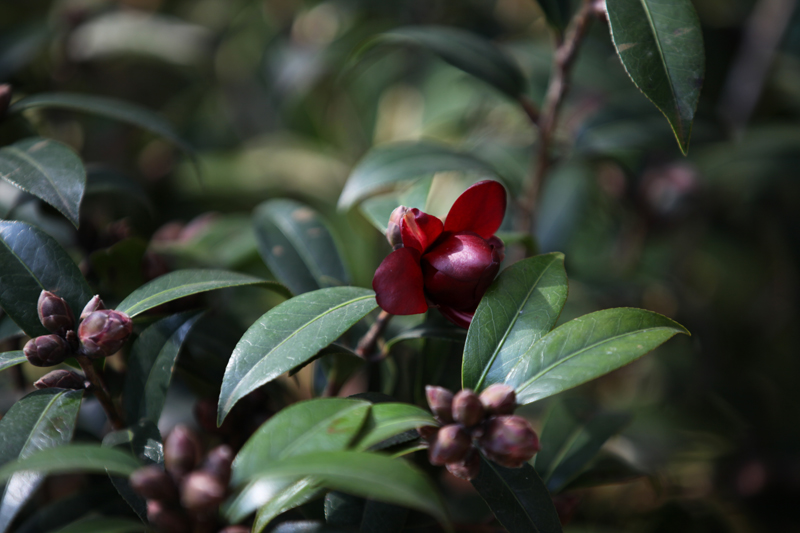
521,306
387,420
517,497
151,364
73,458
557,13
380,517
605,469
661,46
8,328
73,507
293,495
378,209
103,524
462,49
586,348
427,331
48,170
368,475
185,282
308,526
289,334
41,420
298,247
104,181
107,107
30,261
9,359
385,167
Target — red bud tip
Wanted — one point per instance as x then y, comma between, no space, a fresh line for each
61,379
467,408
153,483
452,445
499,399
509,441
202,491
47,350
95,304
55,314
182,451
102,333
393,232
468,468
440,401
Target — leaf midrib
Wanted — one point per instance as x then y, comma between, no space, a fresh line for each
514,494
132,312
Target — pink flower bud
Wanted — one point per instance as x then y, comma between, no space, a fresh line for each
440,401
166,519
153,483
95,304
509,441
218,463
55,314
467,408
393,234
235,529
452,445
202,491
103,333
499,399
428,433
468,468
61,379
47,350
182,451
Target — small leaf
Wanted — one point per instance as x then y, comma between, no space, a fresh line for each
521,306
9,359
289,334
661,46
73,458
387,420
48,170
518,498
185,282
298,247
103,524
32,261
462,49
293,495
586,348
151,364
385,167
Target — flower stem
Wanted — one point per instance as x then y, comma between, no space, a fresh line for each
366,346
101,391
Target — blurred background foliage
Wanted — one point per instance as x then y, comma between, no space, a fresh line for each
265,93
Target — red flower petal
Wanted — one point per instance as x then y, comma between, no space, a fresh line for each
398,283
459,318
479,209
419,229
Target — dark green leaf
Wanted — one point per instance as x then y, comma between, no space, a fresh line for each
295,494
8,328
557,13
48,170
606,469
30,261
9,359
425,331
103,524
308,526
151,364
49,517
380,517
387,420
521,306
343,510
185,282
661,46
41,420
288,335
103,181
385,167
119,267
378,209
298,247
518,498
73,458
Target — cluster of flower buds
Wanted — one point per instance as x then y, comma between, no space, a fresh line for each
101,332
470,423
186,494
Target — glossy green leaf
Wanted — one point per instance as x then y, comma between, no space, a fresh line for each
30,261
41,420
661,46
464,50
517,497
48,170
557,13
298,247
103,524
521,306
185,282
387,420
308,526
74,458
386,167
586,348
289,334
9,359
294,495
151,364
368,475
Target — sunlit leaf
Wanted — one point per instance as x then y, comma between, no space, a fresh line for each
9,359
387,420
103,524
73,458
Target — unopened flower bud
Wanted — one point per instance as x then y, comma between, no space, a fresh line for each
467,408
166,519
181,451
235,529
218,463
452,445
95,304
103,333
61,379
499,399
468,468
55,314
509,441
393,233
428,433
153,483
47,350
5,98
202,491
440,401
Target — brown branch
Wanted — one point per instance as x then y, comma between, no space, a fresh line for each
366,346
101,391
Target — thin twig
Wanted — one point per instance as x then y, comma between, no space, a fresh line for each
101,391
366,346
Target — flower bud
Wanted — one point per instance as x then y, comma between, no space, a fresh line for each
103,333
165,518
95,304
153,483
452,445
509,441
440,401
467,408
181,451
468,468
393,233
218,463
5,98
47,350
235,529
61,379
202,491
499,399
55,314
428,433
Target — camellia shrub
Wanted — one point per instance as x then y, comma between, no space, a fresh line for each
421,373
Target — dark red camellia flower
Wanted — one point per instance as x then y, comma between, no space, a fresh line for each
446,265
